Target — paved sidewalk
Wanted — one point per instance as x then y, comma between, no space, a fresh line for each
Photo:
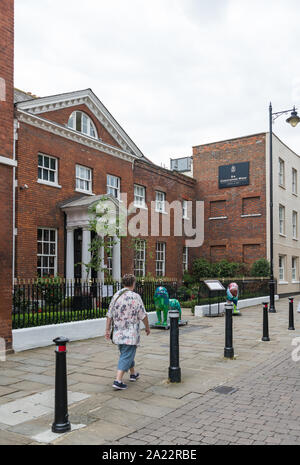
152,411
260,408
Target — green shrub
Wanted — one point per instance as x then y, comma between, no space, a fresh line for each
225,269
260,268
188,279
183,293
201,268
51,290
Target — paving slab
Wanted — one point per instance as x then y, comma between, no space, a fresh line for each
121,417
138,407
91,388
30,407
7,438
155,403
95,434
47,436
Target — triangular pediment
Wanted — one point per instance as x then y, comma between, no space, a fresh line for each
40,105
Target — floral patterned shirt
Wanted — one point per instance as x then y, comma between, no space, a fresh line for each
127,313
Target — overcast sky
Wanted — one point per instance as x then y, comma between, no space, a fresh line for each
173,73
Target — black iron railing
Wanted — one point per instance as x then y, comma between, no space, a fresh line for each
53,301
248,288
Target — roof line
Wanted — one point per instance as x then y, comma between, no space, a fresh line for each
228,140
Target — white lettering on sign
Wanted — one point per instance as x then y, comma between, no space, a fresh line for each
2,90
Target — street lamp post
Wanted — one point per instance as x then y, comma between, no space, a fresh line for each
293,120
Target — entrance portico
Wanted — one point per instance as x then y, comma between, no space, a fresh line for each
78,244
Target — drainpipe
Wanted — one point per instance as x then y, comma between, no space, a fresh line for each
16,126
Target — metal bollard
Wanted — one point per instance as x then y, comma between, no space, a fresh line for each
174,369
291,314
265,323
228,350
61,418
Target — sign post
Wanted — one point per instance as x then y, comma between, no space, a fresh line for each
214,286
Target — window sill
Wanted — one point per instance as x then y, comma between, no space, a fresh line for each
140,207
295,194
84,192
218,218
50,184
159,211
295,282
254,215
282,235
282,186
283,282
185,218
295,239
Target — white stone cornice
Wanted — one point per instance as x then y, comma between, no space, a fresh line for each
88,98
73,135
8,161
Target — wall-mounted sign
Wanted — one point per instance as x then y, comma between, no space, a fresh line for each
234,175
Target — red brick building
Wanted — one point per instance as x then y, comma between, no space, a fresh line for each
7,166
235,210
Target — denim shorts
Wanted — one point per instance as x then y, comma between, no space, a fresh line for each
127,354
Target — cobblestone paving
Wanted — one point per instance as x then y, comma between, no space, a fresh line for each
264,409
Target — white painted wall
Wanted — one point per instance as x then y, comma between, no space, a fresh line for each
41,336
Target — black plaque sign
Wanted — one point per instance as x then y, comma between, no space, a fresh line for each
234,175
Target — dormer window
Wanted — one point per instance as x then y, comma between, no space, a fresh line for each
82,123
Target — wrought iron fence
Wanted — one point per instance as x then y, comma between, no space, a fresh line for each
248,288
53,301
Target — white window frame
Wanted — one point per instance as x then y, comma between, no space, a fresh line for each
139,196
110,244
294,181
295,224
160,259
281,268
295,269
281,173
282,220
48,169
160,202
48,255
90,127
140,258
79,179
113,189
185,258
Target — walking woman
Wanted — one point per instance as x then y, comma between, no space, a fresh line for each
126,310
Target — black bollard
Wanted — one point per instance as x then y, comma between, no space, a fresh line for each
61,418
174,369
265,323
291,314
228,350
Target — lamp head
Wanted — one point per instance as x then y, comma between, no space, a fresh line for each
294,119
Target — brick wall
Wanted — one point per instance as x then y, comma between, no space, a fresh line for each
39,205
241,236
6,172
176,187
